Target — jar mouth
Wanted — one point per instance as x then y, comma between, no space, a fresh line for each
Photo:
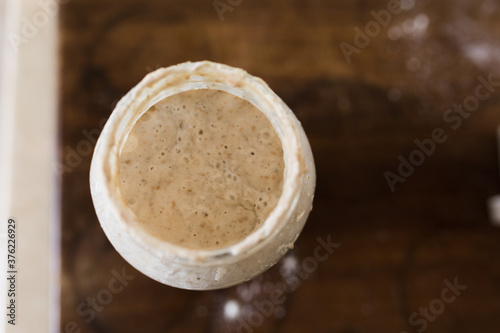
166,82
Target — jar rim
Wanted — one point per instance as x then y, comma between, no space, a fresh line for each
165,82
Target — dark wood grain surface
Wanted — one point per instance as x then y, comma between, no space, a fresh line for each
397,248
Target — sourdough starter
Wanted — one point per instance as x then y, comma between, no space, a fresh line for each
202,169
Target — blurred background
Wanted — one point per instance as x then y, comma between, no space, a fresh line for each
401,104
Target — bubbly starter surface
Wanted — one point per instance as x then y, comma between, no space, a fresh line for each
202,169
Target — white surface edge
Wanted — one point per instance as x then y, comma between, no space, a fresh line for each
29,191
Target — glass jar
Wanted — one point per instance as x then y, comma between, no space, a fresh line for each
201,269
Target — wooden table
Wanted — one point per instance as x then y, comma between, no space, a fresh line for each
398,250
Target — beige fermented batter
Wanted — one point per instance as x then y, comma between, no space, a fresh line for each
202,169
